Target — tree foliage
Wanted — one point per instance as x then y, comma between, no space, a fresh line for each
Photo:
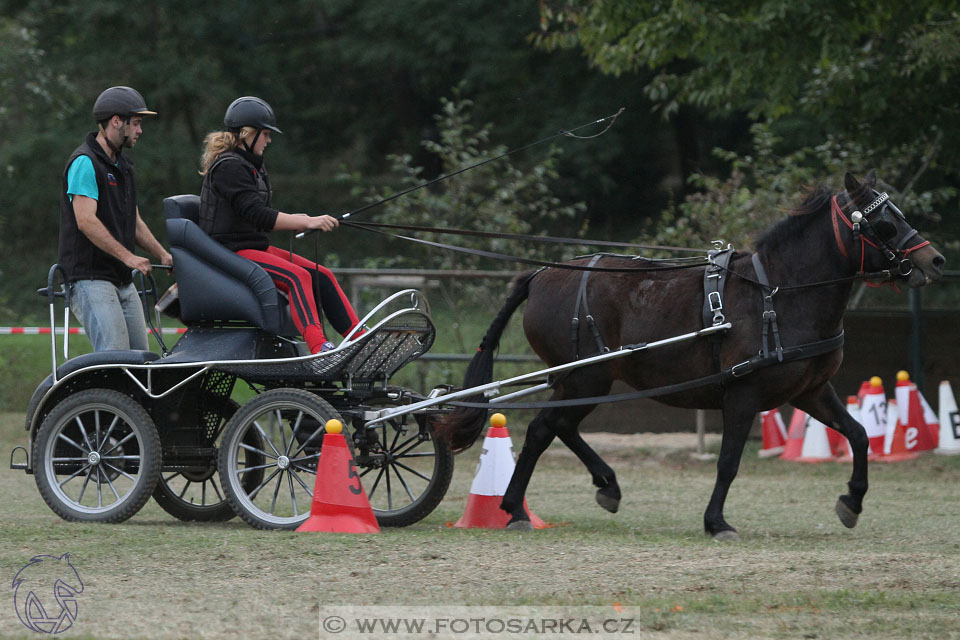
837,86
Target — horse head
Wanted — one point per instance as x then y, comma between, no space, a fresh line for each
882,236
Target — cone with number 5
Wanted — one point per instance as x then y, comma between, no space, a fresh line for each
340,504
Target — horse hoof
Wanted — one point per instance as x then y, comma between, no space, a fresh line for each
519,525
609,503
847,516
726,536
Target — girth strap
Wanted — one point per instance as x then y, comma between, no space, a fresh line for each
769,315
591,323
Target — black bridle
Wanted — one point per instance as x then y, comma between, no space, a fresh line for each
871,228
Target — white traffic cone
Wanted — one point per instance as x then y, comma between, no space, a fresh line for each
949,422
774,433
816,444
490,483
873,415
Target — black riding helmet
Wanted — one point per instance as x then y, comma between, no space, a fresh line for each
120,101
250,111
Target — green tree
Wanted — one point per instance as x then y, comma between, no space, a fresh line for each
866,83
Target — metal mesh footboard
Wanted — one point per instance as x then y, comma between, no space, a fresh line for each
376,355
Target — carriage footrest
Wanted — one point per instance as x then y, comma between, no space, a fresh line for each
20,466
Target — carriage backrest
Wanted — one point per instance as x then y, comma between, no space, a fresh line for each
216,284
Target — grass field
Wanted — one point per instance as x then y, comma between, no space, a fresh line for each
796,573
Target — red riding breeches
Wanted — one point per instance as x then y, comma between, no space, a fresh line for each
306,283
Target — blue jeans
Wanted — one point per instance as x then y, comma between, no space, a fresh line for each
112,316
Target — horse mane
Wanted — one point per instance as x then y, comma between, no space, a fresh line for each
787,230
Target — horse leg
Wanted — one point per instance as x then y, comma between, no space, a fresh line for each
540,433
738,414
824,405
539,436
608,491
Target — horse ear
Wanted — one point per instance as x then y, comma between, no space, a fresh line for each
850,183
872,178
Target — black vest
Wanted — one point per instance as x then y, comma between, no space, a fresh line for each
217,216
116,209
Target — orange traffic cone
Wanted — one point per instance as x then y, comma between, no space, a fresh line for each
774,433
873,415
490,483
816,443
949,441
798,426
340,504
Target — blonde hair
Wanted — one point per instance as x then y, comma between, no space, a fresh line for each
219,142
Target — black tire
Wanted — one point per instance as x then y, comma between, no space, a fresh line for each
289,424
97,439
195,495
403,451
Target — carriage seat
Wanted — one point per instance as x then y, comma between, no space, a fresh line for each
214,283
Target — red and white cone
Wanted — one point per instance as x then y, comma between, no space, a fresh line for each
911,433
798,426
949,422
816,443
340,505
774,433
873,415
490,483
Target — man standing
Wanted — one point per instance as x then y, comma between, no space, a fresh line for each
100,226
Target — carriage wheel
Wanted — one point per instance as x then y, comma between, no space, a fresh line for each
97,457
195,495
405,470
289,425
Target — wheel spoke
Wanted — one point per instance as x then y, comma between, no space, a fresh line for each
74,475
120,471
283,435
60,436
185,487
376,482
296,428
303,484
255,450
253,494
265,437
216,490
110,484
85,482
276,492
99,490
413,471
171,477
293,497
310,439
83,430
254,468
106,436
403,482
132,434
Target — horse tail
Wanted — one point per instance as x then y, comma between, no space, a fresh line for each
462,426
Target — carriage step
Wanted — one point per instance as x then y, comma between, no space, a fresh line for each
19,466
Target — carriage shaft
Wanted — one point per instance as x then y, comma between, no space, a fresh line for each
493,388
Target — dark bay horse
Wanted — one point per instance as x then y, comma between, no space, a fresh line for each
827,242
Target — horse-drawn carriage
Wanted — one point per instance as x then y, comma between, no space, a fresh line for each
138,422
107,430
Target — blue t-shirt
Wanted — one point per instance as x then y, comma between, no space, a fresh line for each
81,180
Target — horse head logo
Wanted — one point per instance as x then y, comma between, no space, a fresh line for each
35,583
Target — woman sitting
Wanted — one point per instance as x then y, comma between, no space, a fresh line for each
235,210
